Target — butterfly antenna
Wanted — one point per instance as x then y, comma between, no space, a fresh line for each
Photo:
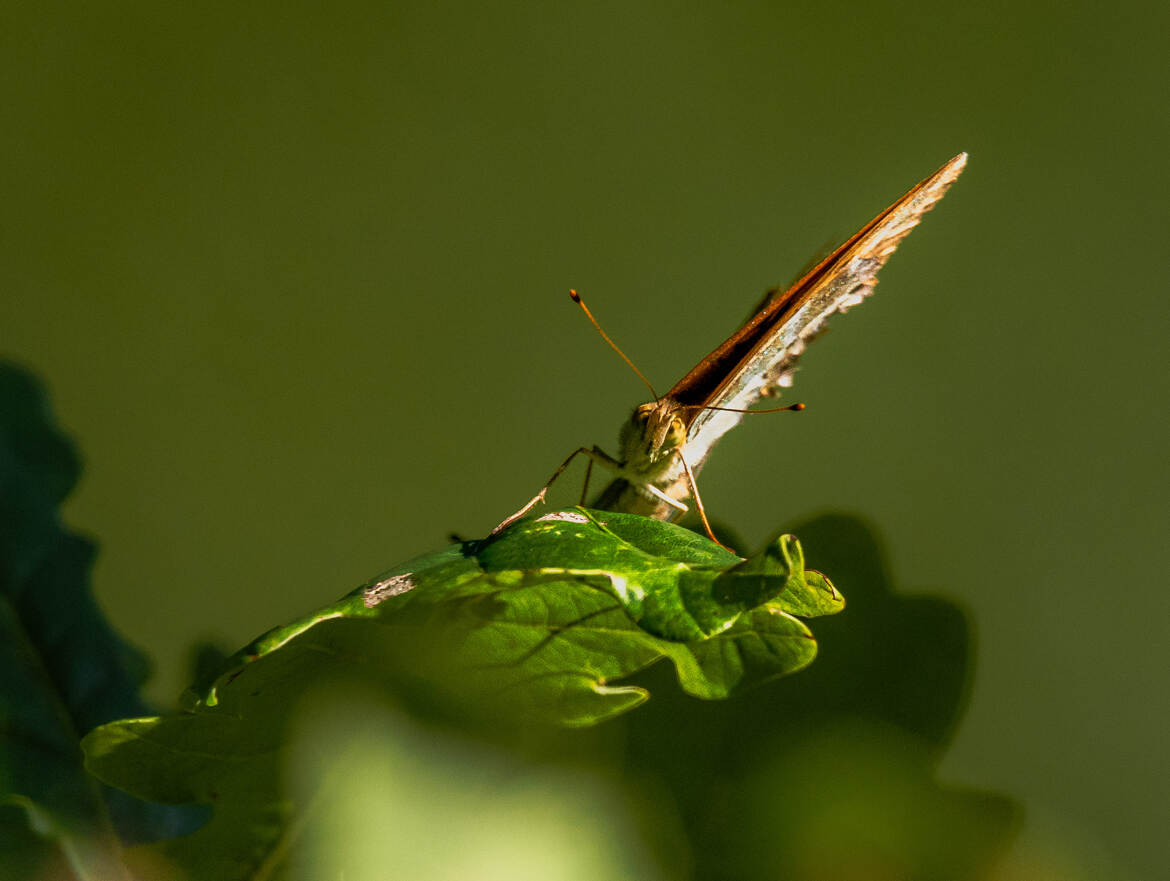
577,299
795,408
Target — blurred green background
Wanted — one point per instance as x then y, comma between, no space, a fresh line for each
296,274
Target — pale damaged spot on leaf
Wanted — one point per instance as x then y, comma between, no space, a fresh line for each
395,585
564,517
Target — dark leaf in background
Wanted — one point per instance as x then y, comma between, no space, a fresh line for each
832,774
64,670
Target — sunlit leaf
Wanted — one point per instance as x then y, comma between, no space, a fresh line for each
538,625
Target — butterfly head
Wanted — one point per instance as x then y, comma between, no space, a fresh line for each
654,431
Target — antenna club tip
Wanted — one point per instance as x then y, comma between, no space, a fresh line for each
575,296
797,407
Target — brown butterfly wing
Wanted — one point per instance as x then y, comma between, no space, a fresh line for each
760,357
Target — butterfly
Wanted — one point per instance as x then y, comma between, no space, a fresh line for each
666,441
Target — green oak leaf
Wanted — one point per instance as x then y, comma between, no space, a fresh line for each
537,625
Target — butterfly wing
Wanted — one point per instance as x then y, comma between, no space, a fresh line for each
760,357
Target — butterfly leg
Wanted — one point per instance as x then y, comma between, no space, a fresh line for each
595,455
585,485
699,502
